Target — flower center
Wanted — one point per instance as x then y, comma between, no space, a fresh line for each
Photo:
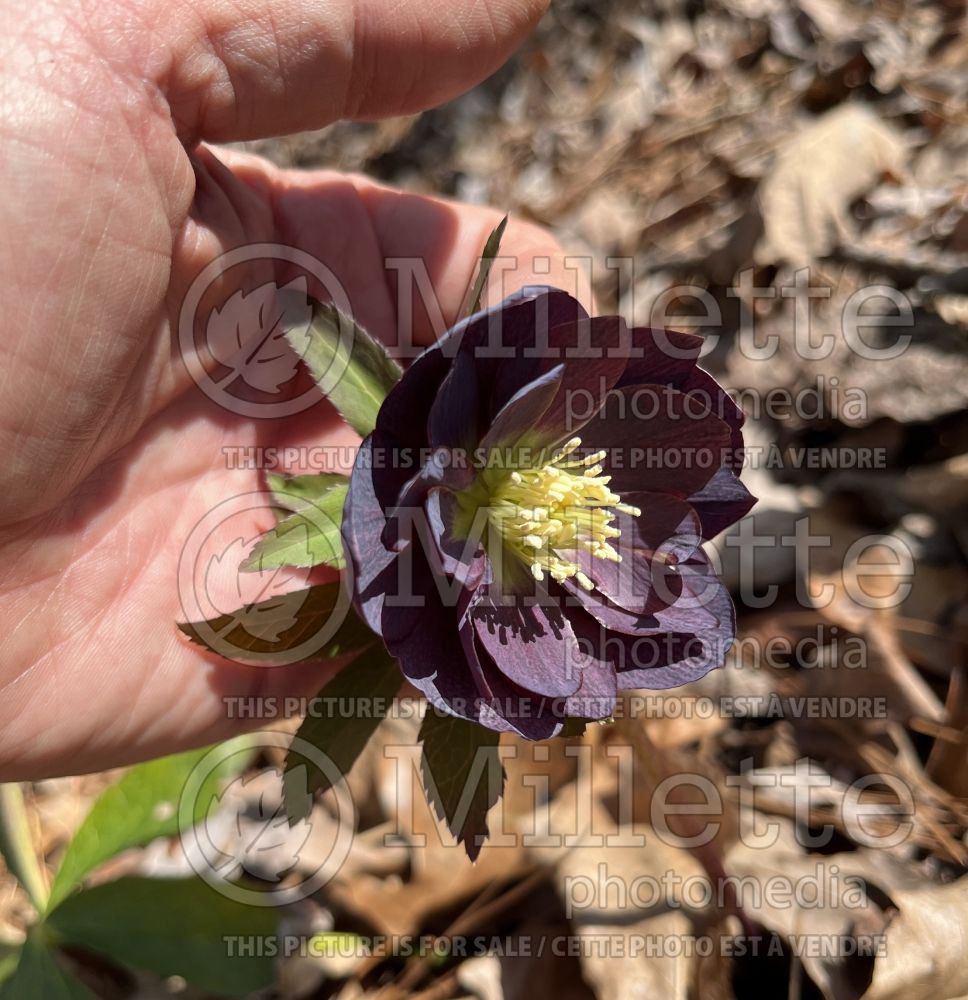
564,505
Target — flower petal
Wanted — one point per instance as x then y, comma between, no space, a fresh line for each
534,646
507,706
594,353
363,523
596,697
665,534
509,344
390,588
721,502
452,422
661,357
432,658
447,467
395,423
687,661
699,384
668,527
701,607
522,413
643,621
642,660
688,642
667,660
464,559
656,440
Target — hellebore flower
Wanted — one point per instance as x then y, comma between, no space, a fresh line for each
525,521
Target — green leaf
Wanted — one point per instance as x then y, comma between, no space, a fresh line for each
17,846
490,251
309,536
292,493
173,927
302,626
462,775
351,368
9,960
346,713
38,975
138,808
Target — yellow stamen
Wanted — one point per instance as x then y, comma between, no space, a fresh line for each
562,506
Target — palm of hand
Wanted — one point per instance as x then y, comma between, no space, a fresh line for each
112,453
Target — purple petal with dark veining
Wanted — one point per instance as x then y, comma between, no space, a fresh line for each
448,468
595,698
395,423
611,616
514,324
666,533
701,591
698,607
464,559
648,660
695,661
668,660
667,527
401,426
507,705
628,584
534,647
608,615
391,588
691,641
681,595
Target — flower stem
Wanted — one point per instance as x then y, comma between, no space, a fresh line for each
17,848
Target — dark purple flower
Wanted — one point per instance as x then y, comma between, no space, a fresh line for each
525,522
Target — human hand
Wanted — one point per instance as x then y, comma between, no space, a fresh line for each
112,205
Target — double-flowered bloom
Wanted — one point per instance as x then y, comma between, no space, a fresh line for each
525,522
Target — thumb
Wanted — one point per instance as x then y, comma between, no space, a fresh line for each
244,69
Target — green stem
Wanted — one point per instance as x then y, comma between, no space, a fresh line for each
17,848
